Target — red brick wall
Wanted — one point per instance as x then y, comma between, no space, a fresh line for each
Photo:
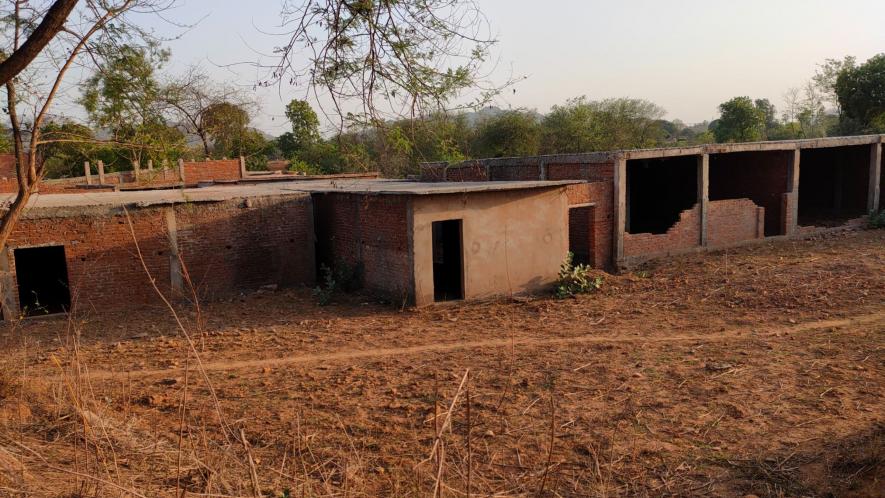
590,171
227,248
526,173
368,232
7,166
759,176
684,234
472,173
733,221
220,169
601,194
104,272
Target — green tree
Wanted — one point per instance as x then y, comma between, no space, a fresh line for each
124,98
739,121
861,94
509,133
305,125
226,124
585,126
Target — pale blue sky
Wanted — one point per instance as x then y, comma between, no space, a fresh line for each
685,55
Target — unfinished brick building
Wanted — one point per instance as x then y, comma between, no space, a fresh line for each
641,204
466,231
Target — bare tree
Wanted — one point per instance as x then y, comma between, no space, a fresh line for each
191,98
29,97
22,55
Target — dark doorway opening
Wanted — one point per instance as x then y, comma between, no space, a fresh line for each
761,177
42,276
447,268
833,185
580,234
658,191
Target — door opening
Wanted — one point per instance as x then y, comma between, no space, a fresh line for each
42,276
580,234
447,262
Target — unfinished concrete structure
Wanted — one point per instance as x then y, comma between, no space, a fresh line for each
657,202
467,231
415,243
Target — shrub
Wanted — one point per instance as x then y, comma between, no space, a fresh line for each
342,277
575,279
876,220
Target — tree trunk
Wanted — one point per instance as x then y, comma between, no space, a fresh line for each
51,24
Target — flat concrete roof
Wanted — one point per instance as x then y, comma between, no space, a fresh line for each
144,198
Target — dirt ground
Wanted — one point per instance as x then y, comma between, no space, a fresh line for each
753,371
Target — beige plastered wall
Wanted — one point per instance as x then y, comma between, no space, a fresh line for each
512,241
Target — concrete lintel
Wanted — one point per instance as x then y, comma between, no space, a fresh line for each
703,194
663,153
620,211
875,175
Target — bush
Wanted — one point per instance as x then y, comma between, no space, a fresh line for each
342,277
575,279
876,220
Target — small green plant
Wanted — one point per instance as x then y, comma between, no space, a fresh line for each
323,292
876,220
343,277
575,279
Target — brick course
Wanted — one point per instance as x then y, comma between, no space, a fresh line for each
733,221
683,235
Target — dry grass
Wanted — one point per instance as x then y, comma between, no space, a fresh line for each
762,375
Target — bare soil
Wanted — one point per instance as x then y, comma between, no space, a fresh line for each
754,371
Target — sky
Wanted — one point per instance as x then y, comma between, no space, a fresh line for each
686,56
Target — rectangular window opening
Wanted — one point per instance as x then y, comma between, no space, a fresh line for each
42,276
448,284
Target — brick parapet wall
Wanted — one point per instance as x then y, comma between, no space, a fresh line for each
227,247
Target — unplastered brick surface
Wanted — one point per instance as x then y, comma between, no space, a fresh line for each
683,235
733,221
366,232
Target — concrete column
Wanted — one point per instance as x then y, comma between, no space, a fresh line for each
242,167
181,170
793,188
136,170
620,209
875,178
88,170
101,172
175,276
542,170
150,165
703,194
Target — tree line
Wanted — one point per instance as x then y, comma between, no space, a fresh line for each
135,114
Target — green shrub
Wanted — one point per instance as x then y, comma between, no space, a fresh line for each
575,279
343,277
876,220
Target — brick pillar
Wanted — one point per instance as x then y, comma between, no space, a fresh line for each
875,174
88,170
703,195
100,172
792,218
620,209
